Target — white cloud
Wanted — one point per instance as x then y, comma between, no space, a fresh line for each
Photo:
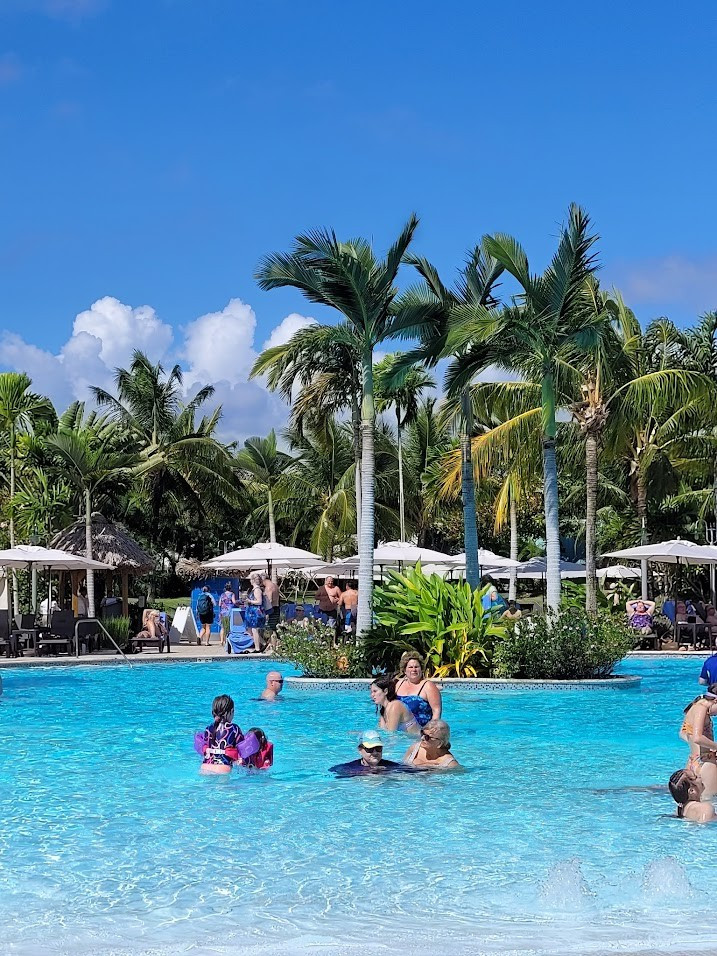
218,345
216,348
286,328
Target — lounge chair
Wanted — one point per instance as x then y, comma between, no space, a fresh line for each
238,640
61,633
144,637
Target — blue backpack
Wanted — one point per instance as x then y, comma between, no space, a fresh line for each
204,604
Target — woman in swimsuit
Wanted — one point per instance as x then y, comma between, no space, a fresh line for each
687,792
639,615
221,738
420,695
392,713
433,750
697,731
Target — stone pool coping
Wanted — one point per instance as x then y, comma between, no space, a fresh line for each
619,682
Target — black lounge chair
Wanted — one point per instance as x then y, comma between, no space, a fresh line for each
61,633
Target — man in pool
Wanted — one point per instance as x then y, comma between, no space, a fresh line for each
274,683
371,760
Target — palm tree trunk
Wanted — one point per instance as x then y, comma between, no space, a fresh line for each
15,590
552,527
642,518
272,535
88,554
401,498
513,585
468,494
356,430
591,466
366,543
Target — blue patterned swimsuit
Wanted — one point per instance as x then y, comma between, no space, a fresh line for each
419,707
223,748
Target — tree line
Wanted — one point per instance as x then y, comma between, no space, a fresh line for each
611,424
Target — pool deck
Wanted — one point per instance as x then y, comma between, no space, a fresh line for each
179,653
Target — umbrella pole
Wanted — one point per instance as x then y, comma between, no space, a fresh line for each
643,579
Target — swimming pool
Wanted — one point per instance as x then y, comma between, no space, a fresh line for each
553,841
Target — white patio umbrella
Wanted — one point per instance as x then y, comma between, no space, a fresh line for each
488,559
537,568
620,571
52,559
260,554
395,553
675,551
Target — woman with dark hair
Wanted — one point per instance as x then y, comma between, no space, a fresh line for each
687,792
419,694
697,731
392,713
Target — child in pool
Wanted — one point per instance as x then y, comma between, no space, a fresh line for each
264,757
218,743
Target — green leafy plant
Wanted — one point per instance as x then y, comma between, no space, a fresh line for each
568,644
119,628
444,621
310,646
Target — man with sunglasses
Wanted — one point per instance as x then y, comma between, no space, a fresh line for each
274,684
370,748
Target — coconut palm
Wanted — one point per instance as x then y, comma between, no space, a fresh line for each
400,388
318,490
427,439
180,462
91,461
262,466
632,380
540,336
319,372
20,411
427,310
348,277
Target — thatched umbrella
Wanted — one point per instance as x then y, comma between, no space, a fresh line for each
111,545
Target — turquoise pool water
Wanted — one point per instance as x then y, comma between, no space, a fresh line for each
559,837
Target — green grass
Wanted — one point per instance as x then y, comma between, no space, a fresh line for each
170,605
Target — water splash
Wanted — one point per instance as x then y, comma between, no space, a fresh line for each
565,887
666,878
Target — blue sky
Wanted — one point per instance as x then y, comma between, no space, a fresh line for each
153,150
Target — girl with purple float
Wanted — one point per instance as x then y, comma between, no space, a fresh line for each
223,744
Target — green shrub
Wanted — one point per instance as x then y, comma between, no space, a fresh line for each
567,645
118,627
444,621
309,645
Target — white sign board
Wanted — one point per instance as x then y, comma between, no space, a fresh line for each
184,627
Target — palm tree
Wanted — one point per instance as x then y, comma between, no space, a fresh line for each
20,411
427,439
91,460
541,335
623,384
348,277
427,310
262,466
318,371
318,491
180,460
402,390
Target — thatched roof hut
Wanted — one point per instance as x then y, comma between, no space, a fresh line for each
110,544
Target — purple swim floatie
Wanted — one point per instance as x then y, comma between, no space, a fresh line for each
248,746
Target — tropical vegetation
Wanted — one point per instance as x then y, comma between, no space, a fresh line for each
558,424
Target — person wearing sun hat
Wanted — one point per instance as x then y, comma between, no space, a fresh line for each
370,748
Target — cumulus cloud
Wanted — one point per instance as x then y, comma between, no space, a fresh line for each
216,348
286,328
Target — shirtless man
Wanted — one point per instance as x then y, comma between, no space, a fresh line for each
329,596
274,684
349,601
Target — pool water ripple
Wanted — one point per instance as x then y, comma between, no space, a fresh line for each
559,837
